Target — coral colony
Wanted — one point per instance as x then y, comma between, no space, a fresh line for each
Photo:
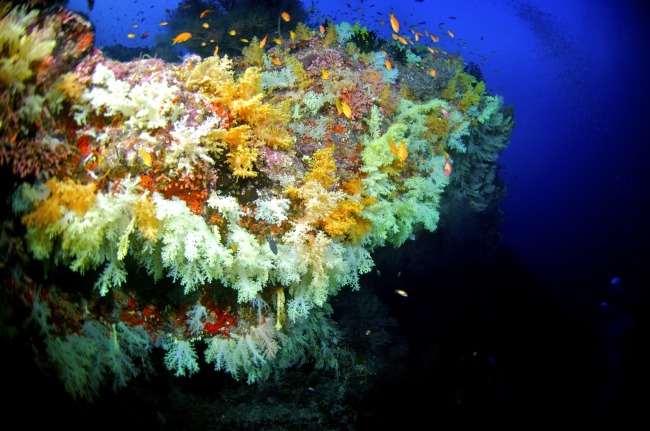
211,208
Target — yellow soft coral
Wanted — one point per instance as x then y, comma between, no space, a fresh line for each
342,218
242,160
322,168
253,53
63,194
257,123
20,48
145,217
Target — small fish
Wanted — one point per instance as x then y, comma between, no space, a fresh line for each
292,34
147,160
378,273
324,74
182,37
393,147
450,33
205,25
232,32
399,273
368,332
447,167
322,29
286,16
272,244
432,72
394,23
204,13
135,26
347,110
402,40
131,35
389,66
276,61
263,42
400,292
435,38
243,39
443,111
144,35
216,50
163,23
278,41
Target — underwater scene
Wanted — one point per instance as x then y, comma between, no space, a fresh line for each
323,215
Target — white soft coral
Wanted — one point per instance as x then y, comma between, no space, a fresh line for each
148,105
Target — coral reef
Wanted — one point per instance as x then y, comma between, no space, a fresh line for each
212,208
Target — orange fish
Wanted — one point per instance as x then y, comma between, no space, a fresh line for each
388,65
393,147
216,50
394,23
131,35
278,41
286,16
447,167
263,42
205,25
402,40
232,32
451,33
292,34
432,72
324,74
322,29
435,38
162,23
204,13
182,37
244,40
276,61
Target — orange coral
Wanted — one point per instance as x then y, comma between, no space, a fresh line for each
342,218
66,194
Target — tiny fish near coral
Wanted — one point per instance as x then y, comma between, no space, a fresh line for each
182,37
